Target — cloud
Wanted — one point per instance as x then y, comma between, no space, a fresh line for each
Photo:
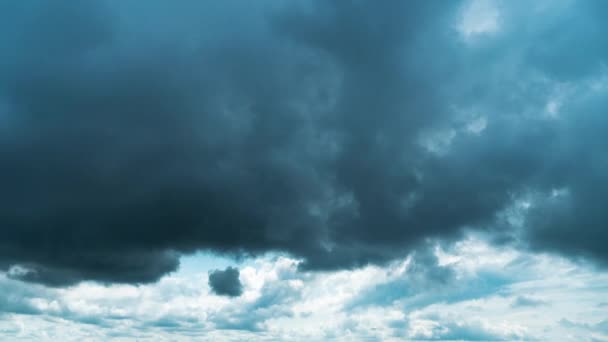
128,147
597,331
226,282
278,287
338,132
468,270
478,18
459,331
17,299
523,301
280,302
273,303
421,274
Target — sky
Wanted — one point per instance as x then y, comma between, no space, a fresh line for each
306,170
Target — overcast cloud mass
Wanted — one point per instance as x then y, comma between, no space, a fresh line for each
357,170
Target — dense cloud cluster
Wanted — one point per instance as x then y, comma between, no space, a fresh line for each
342,132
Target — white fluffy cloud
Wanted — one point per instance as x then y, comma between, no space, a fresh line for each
468,291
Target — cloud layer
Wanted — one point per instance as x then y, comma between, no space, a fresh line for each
485,294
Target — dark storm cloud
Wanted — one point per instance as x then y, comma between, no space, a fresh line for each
133,133
569,188
125,143
226,282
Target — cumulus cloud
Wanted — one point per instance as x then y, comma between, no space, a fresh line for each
226,282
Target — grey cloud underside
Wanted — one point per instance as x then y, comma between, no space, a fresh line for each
131,135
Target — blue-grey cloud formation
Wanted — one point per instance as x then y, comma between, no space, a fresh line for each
226,282
344,133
